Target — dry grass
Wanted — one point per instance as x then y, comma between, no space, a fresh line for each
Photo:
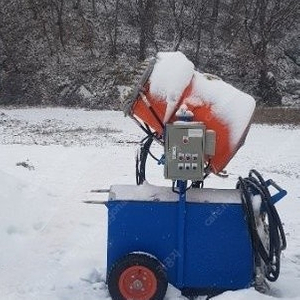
277,115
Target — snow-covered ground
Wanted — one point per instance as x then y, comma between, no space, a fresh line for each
53,246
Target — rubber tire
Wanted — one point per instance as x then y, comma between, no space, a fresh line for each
137,259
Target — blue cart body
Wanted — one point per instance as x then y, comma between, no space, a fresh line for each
203,241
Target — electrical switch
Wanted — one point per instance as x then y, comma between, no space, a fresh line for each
187,166
180,156
188,157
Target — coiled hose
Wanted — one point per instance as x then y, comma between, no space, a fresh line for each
254,184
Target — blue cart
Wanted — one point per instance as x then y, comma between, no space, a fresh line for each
198,240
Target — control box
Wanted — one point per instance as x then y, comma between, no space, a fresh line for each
184,151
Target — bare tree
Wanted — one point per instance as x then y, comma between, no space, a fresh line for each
233,24
264,20
213,22
199,13
143,15
146,10
183,15
110,13
58,9
94,7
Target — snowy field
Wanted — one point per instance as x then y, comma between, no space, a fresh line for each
53,246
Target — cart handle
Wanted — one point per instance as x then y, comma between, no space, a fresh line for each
101,191
281,192
95,202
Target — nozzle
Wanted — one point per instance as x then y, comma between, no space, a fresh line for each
139,81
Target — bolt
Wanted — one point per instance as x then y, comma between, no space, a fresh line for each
137,285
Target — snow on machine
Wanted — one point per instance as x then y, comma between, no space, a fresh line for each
203,241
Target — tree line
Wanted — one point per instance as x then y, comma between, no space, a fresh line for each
48,48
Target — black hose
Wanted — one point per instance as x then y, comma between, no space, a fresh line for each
254,184
140,166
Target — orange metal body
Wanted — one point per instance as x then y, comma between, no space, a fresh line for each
202,113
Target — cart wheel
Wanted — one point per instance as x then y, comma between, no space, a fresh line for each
137,277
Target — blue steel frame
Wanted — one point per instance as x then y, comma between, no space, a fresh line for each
182,185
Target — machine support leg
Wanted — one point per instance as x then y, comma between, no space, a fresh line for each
181,230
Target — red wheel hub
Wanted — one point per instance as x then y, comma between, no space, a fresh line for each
137,283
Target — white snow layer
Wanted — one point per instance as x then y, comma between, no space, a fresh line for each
172,73
150,192
53,247
230,105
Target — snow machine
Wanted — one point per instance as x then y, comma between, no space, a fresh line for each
203,241
170,81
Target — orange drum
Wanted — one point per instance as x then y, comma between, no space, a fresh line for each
220,106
